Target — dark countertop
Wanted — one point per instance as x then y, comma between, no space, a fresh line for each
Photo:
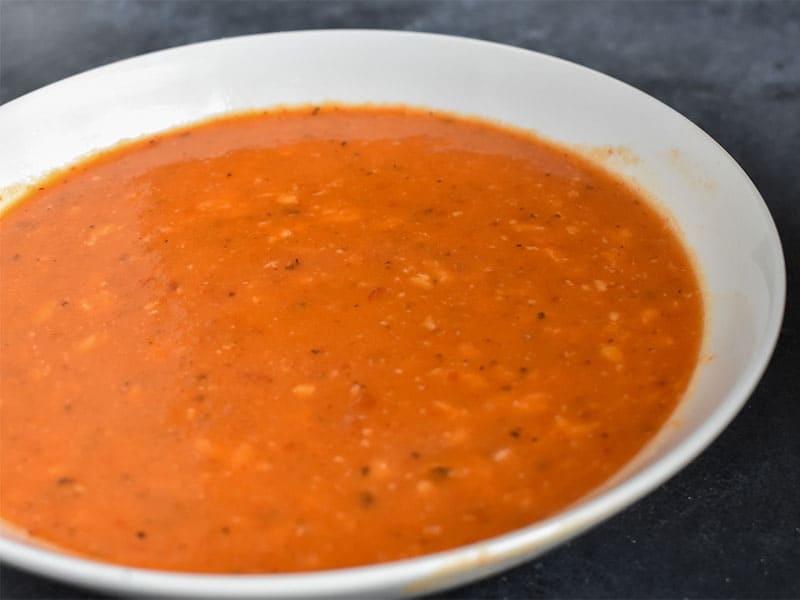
729,524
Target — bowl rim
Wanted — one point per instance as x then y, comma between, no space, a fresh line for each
429,572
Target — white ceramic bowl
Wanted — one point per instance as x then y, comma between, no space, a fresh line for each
714,204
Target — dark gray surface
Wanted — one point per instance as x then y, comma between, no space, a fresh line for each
729,524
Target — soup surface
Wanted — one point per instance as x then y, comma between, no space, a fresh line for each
312,339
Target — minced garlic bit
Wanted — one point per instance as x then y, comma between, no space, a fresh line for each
501,454
304,390
87,343
422,280
612,353
287,199
424,487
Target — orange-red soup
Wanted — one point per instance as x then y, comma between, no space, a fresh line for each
315,339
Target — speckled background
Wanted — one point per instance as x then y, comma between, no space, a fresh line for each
729,524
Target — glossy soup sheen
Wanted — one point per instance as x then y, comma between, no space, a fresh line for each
311,339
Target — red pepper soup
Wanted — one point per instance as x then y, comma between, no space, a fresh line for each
310,339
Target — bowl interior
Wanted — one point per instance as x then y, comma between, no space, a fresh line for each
712,202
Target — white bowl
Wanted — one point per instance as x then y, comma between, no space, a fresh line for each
718,210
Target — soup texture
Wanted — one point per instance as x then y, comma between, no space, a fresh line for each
327,337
